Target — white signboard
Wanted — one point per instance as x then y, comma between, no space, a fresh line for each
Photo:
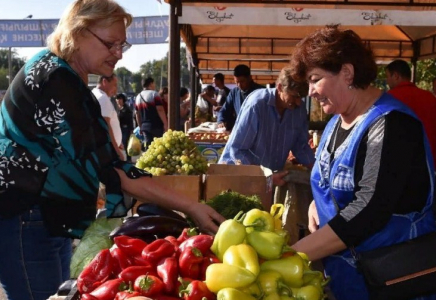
203,15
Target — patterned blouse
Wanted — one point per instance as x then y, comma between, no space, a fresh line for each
55,149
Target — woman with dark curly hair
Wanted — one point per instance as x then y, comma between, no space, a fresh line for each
372,181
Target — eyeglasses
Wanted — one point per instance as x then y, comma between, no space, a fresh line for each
112,47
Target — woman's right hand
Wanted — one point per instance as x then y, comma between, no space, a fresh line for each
205,217
313,217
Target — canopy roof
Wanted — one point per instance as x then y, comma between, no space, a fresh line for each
262,33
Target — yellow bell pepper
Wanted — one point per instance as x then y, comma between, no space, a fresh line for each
219,276
277,211
253,290
244,256
260,220
230,232
233,294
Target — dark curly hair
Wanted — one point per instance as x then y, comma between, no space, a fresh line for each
329,48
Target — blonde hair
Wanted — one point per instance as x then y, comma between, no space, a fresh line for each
78,16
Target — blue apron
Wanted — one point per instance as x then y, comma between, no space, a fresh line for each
337,178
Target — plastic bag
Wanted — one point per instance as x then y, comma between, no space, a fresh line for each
133,146
202,105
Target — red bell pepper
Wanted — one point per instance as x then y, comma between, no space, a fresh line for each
87,297
202,242
168,271
139,261
130,274
148,285
130,246
94,274
197,290
165,297
109,289
186,234
126,295
121,260
189,262
173,241
157,250
208,259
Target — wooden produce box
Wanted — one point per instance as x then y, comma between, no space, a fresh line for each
245,179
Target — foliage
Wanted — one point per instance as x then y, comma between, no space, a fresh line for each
17,63
124,80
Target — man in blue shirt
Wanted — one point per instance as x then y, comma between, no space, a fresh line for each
271,123
245,85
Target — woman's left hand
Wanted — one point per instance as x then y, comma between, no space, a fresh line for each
205,217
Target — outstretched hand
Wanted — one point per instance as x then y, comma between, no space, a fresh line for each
205,217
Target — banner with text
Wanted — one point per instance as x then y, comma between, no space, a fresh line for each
220,15
33,33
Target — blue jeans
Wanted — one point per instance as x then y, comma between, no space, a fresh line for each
32,263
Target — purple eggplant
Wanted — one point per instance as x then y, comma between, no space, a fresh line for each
148,228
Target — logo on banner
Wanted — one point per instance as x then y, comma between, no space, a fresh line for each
220,7
376,18
297,17
297,8
218,15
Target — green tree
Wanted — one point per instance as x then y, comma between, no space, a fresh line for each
124,80
158,70
17,63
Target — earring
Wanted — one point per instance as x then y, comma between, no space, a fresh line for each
350,87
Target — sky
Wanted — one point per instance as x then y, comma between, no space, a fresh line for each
53,9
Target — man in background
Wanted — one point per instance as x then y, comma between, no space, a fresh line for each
245,85
125,116
271,123
185,107
105,89
423,103
223,91
150,113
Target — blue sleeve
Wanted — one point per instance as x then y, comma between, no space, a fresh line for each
242,138
225,113
302,152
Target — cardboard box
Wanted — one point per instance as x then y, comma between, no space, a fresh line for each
188,185
211,151
245,179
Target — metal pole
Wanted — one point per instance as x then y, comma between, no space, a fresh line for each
174,67
193,94
10,65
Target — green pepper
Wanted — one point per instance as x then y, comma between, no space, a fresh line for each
253,290
309,292
269,245
284,297
316,279
219,276
271,282
291,268
257,219
233,294
273,296
230,232
244,256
